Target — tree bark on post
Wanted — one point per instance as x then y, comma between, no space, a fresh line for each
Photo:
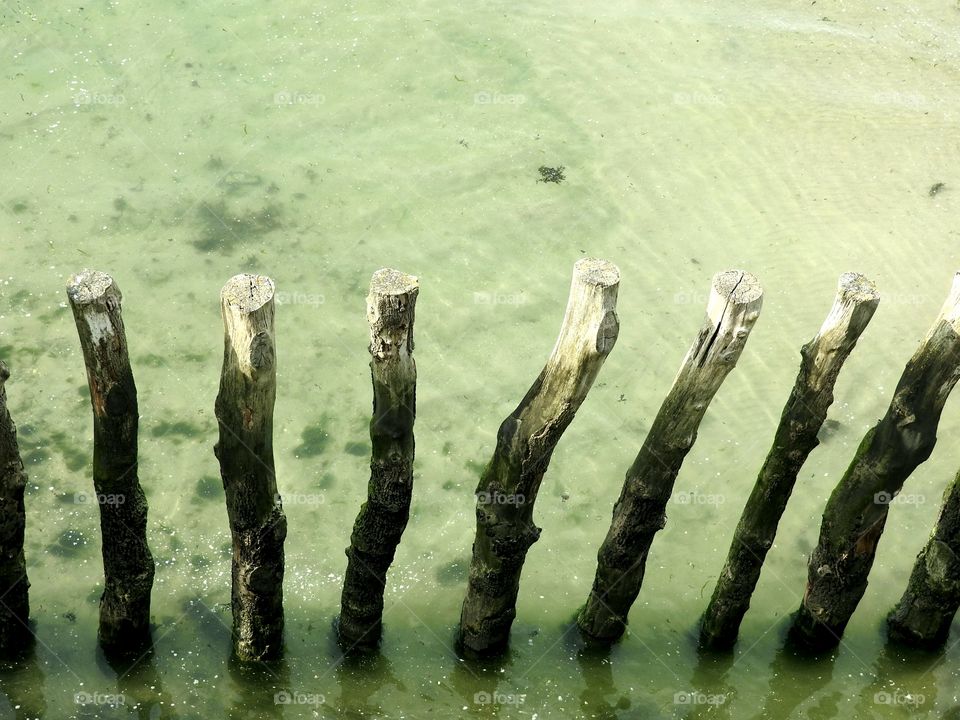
796,437
640,512
856,512
14,586
127,563
924,614
244,410
525,442
383,517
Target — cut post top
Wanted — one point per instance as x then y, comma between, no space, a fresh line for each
91,286
735,300
856,300
854,287
595,271
247,293
950,312
733,287
388,281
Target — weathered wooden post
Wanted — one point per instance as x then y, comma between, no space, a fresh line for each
795,439
14,587
244,410
857,510
525,442
383,517
127,563
923,616
732,310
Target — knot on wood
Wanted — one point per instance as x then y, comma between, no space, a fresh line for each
511,542
262,353
608,332
942,566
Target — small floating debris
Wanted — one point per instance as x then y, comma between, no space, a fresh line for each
551,174
936,189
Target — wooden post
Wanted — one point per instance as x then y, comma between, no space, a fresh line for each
244,410
857,510
127,563
383,517
733,307
923,616
526,440
14,587
795,439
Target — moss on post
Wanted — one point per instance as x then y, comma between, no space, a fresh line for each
383,517
924,614
127,563
14,587
244,410
640,512
795,438
525,442
856,512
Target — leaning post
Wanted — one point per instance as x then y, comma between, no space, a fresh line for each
820,362
732,309
525,442
856,512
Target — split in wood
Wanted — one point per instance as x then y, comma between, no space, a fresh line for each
795,438
734,305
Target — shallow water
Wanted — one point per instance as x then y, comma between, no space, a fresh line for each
317,142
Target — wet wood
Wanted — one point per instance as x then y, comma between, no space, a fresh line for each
525,442
127,563
640,512
795,438
924,614
14,586
379,526
856,512
244,410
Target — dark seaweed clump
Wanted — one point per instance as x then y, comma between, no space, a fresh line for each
551,174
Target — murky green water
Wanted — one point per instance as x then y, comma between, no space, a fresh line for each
317,142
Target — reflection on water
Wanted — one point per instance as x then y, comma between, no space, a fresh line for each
141,685
262,690
600,697
795,679
22,681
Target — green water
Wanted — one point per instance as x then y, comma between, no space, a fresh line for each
316,142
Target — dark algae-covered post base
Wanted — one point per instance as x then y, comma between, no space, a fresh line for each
14,587
127,563
795,438
525,442
734,305
244,410
856,512
383,517
923,616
